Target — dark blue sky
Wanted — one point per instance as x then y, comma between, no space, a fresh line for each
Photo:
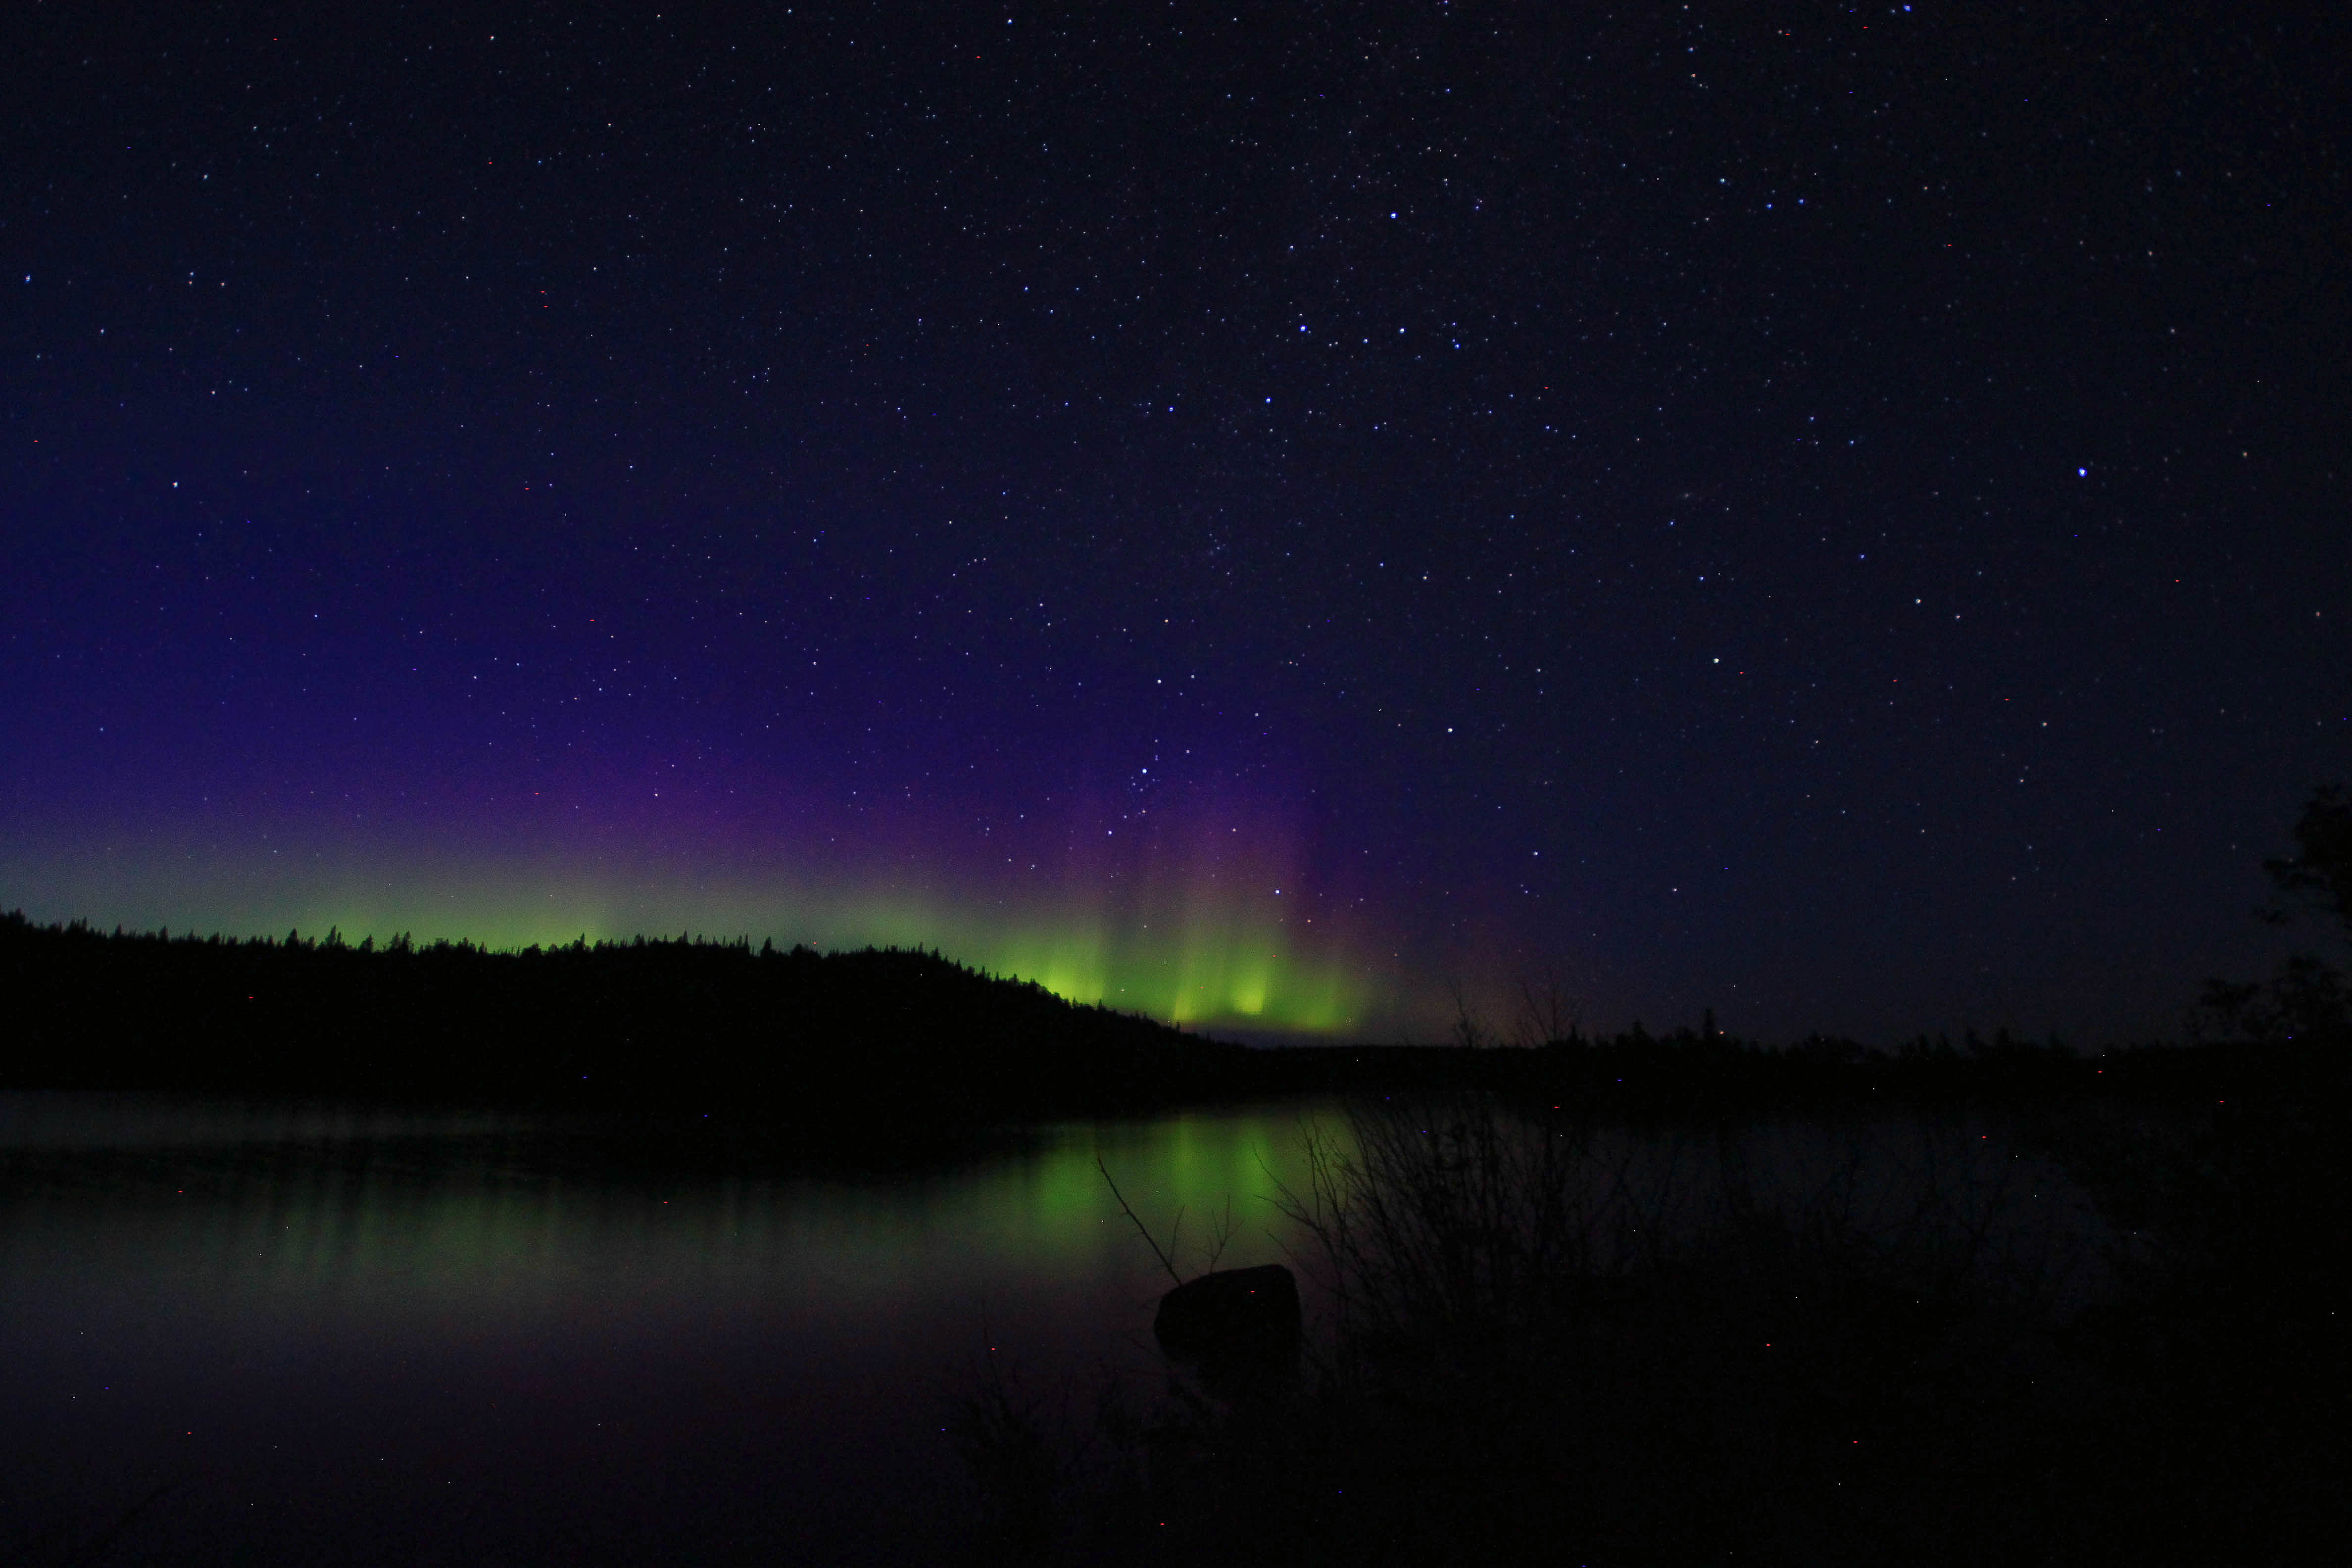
1838,515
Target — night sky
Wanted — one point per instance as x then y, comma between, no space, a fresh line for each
1837,514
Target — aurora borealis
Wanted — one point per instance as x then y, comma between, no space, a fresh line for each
1184,951
1253,518
1191,900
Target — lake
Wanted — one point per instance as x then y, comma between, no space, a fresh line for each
319,1334
269,1333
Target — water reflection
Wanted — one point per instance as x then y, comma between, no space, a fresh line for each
373,1337
370,1337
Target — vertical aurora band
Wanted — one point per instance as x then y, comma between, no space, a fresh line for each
1201,944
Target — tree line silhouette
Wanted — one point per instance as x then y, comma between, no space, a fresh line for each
687,1021
677,1023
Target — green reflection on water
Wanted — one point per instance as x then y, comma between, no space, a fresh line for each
466,1228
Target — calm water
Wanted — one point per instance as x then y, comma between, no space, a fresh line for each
337,1337
322,1336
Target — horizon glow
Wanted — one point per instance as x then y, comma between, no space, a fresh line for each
804,537
1200,946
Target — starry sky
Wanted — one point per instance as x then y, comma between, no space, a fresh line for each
1832,514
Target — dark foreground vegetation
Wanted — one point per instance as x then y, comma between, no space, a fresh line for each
1544,1338
1564,1311
2047,1309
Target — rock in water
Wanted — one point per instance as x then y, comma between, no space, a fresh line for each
1232,1319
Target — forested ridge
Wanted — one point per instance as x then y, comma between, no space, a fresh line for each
674,1021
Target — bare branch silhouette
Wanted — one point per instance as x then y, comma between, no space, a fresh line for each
1141,1228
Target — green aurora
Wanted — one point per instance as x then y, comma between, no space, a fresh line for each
1200,952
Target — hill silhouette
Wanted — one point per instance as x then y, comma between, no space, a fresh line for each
677,1022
